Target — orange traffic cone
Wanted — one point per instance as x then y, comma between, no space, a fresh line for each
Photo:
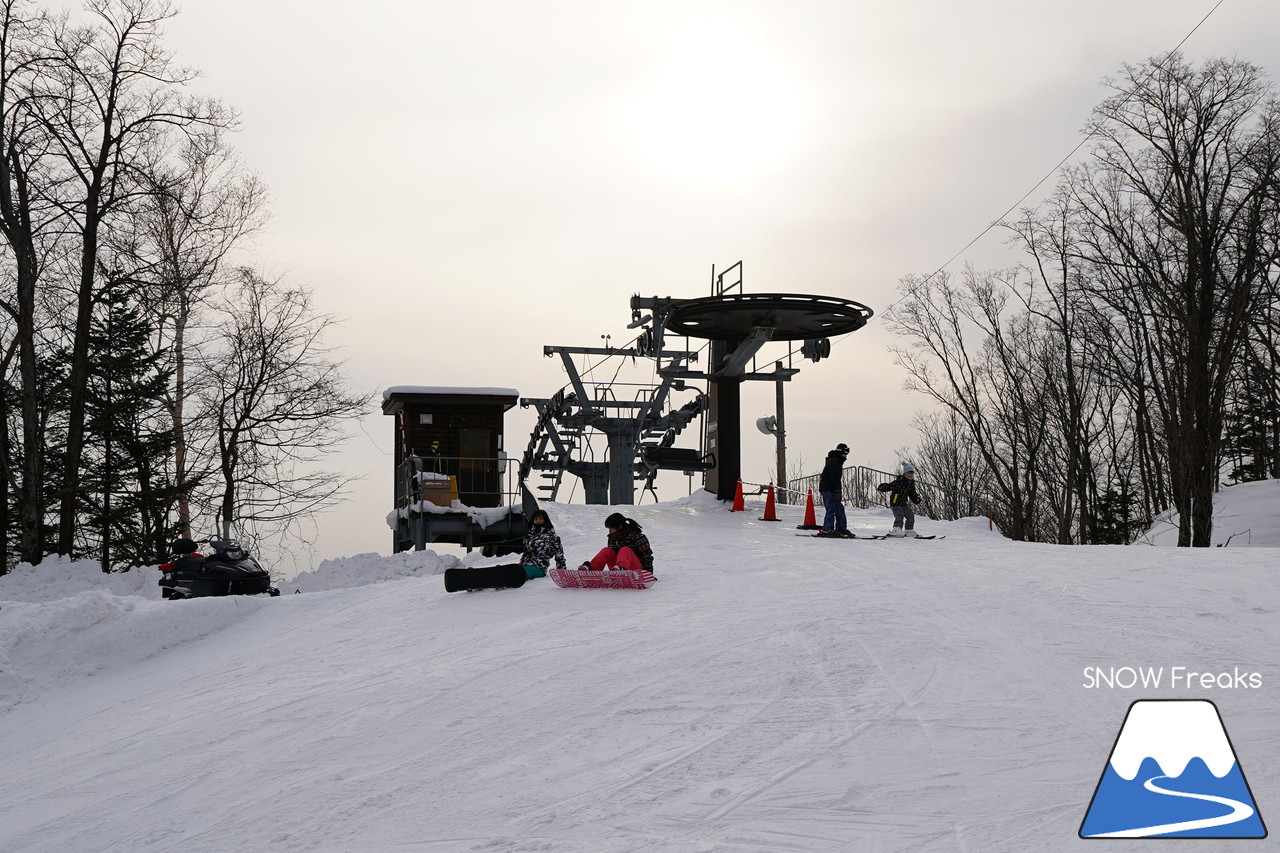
770,510
737,499
810,517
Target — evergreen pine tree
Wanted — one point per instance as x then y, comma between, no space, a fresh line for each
127,492
1116,518
1251,425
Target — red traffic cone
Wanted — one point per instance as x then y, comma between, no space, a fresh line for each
810,517
737,499
770,510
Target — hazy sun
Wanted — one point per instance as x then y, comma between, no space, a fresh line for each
722,108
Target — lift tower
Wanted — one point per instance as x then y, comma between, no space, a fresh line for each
641,431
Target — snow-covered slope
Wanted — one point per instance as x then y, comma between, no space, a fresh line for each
1244,514
771,692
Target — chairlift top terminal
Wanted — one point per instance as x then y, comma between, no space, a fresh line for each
453,431
788,317
641,432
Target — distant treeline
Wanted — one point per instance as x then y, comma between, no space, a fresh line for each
1129,365
152,386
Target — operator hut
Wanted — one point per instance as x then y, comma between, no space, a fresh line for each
451,432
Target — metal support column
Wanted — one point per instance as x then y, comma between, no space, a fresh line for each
781,436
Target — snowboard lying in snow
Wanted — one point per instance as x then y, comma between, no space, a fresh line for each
613,579
867,536
484,577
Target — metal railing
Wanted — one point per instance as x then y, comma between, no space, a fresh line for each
858,488
478,481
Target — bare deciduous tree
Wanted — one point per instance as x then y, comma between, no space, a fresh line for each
946,456
117,187
108,98
277,401
1110,380
28,227
1177,218
984,364
198,208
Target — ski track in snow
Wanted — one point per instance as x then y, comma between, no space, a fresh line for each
769,693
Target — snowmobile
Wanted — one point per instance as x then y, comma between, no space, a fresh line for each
229,570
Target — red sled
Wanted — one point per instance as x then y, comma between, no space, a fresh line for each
612,579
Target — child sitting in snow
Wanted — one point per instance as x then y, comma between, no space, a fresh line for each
627,547
541,546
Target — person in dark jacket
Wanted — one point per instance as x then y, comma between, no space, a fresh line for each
627,547
902,493
541,546
833,523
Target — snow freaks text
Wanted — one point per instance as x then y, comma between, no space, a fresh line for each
1171,678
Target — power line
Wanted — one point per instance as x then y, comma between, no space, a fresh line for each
1048,174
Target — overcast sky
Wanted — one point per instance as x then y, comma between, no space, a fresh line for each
466,182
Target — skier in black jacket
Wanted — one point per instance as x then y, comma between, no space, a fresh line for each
833,523
902,493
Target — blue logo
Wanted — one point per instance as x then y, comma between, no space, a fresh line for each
1173,773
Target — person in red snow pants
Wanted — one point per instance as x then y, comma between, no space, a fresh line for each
626,548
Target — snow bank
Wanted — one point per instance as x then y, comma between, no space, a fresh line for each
58,577
45,643
64,620
1244,514
365,569
974,525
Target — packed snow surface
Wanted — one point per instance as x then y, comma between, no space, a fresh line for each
771,692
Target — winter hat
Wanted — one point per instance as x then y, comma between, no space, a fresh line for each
908,468
542,512
842,448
